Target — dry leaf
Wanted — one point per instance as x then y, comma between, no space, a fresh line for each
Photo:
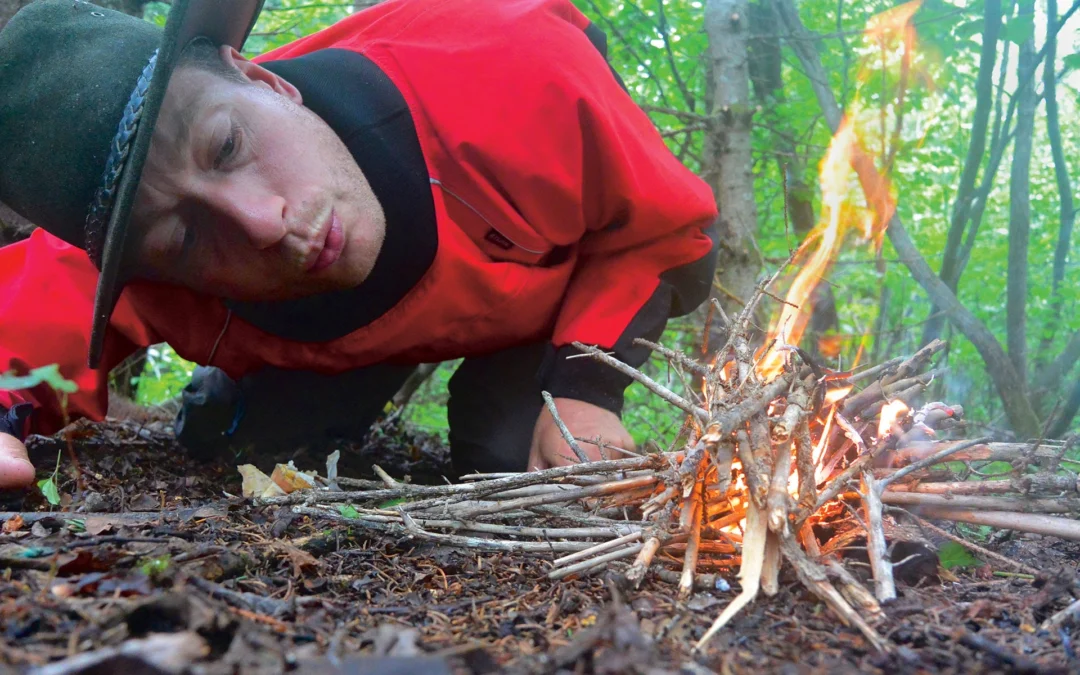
13,524
256,483
290,480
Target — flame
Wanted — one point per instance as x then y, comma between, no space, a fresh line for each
834,395
819,450
889,414
841,211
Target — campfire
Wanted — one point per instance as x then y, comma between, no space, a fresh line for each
774,444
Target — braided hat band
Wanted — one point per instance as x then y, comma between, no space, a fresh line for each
97,216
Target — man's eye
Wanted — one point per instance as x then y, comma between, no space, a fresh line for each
229,147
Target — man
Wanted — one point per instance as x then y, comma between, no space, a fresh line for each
423,181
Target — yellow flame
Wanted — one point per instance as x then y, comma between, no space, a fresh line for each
889,414
834,395
841,212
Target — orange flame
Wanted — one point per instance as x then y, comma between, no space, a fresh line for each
840,212
889,414
834,395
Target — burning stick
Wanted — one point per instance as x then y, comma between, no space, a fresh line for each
753,559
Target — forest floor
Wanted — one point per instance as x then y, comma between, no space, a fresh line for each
152,566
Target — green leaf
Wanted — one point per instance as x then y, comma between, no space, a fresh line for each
155,567
1019,29
47,374
951,555
348,511
969,29
1071,62
392,502
49,489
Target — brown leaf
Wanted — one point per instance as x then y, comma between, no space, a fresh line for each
299,559
13,524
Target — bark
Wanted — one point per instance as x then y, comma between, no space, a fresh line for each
1020,208
965,192
1066,413
727,156
1017,406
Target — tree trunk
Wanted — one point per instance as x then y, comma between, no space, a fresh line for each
728,162
1067,211
1020,207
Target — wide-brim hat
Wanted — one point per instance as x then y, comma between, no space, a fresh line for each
80,91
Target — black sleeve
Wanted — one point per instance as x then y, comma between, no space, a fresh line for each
13,421
680,291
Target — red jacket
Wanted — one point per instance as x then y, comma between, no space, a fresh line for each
524,133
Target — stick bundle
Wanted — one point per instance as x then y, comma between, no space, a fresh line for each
773,442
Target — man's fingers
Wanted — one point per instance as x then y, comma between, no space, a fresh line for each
16,471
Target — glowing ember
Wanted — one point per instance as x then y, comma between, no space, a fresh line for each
889,414
834,395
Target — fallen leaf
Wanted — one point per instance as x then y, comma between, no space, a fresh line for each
256,483
13,524
299,558
289,479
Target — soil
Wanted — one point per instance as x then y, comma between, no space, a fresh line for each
149,541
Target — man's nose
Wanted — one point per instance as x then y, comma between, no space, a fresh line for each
258,216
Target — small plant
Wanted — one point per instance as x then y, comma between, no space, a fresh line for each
51,376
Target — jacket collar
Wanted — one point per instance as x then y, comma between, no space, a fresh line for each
364,107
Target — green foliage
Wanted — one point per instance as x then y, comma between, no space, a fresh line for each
951,554
164,376
348,511
48,486
49,375
156,567
1019,29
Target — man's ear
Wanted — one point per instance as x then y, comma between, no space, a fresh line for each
259,75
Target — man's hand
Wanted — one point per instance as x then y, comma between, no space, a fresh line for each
584,420
16,471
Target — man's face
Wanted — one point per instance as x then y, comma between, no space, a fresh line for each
248,195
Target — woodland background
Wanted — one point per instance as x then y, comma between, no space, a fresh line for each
982,149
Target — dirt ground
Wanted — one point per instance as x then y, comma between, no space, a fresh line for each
153,554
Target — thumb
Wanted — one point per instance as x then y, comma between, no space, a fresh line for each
16,471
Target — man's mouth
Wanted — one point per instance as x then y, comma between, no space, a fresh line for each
331,246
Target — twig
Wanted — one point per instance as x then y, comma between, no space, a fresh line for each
981,503
693,506
567,436
676,357
930,461
585,565
749,571
655,387
641,564
876,548
986,553
384,477
814,578
599,548
1055,526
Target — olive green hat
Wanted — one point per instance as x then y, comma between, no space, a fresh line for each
80,91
